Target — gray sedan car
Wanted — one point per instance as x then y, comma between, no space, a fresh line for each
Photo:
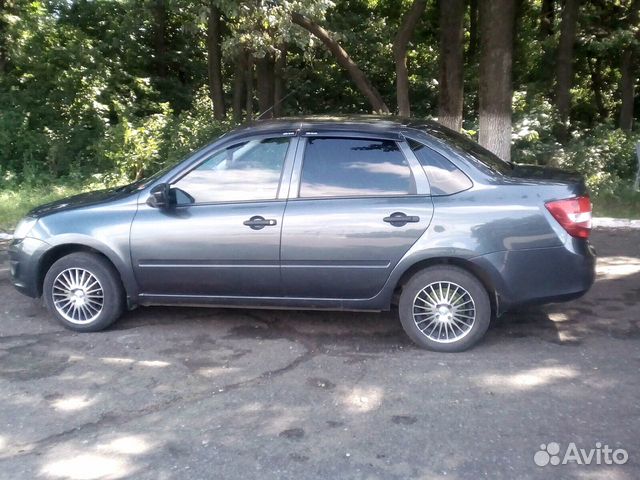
319,213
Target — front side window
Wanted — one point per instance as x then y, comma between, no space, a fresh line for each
348,167
444,177
243,172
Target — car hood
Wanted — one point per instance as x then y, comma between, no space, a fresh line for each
78,201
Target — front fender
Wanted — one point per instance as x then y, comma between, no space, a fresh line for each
119,257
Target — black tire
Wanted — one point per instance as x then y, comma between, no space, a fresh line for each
459,277
110,288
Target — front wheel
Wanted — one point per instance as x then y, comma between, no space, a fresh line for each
83,291
445,308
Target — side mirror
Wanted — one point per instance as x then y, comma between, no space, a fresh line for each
160,196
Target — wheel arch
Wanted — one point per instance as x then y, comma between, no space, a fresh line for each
461,263
58,251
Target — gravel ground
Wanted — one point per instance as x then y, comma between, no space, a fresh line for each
237,394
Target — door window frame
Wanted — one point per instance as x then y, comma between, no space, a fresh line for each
419,175
285,173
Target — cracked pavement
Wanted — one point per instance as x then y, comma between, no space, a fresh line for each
270,394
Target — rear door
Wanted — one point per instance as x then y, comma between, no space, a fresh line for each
357,203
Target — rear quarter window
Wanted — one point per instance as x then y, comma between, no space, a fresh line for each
444,177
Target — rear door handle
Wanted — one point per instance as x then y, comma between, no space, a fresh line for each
257,222
399,219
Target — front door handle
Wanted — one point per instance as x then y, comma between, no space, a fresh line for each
399,219
257,222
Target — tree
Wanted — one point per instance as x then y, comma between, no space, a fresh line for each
564,64
496,58
279,81
265,82
240,63
399,48
159,12
473,27
248,83
629,69
547,15
3,37
597,85
344,60
214,61
451,63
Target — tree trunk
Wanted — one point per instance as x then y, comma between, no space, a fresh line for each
345,61
248,82
627,87
238,86
473,28
279,82
214,62
547,15
564,65
3,38
265,81
451,63
597,85
159,11
399,48
629,76
496,58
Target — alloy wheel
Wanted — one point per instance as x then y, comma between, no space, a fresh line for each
78,295
444,312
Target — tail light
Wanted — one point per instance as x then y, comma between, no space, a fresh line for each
573,214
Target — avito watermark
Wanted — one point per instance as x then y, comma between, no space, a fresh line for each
550,454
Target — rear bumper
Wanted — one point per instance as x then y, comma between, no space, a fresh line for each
543,275
24,258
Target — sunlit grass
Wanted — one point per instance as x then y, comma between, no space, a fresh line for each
625,203
15,203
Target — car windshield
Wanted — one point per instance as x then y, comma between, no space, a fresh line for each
465,144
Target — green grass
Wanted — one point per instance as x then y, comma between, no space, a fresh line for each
624,204
16,202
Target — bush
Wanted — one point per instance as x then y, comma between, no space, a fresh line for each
193,128
132,147
605,156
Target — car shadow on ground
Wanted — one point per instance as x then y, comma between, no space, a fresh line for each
611,308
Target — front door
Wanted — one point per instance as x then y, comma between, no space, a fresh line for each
223,236
360,205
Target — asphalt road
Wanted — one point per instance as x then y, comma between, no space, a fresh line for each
240,394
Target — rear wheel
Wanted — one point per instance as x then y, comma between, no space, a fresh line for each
83,292
444,308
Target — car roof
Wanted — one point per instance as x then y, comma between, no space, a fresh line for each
361,123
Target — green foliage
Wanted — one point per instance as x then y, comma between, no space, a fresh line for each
623,203
192,129
133,145
106,91
605,156
17,200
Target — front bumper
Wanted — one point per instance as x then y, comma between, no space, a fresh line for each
24,260
542,275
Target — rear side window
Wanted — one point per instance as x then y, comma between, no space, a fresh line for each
351,167
444,177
